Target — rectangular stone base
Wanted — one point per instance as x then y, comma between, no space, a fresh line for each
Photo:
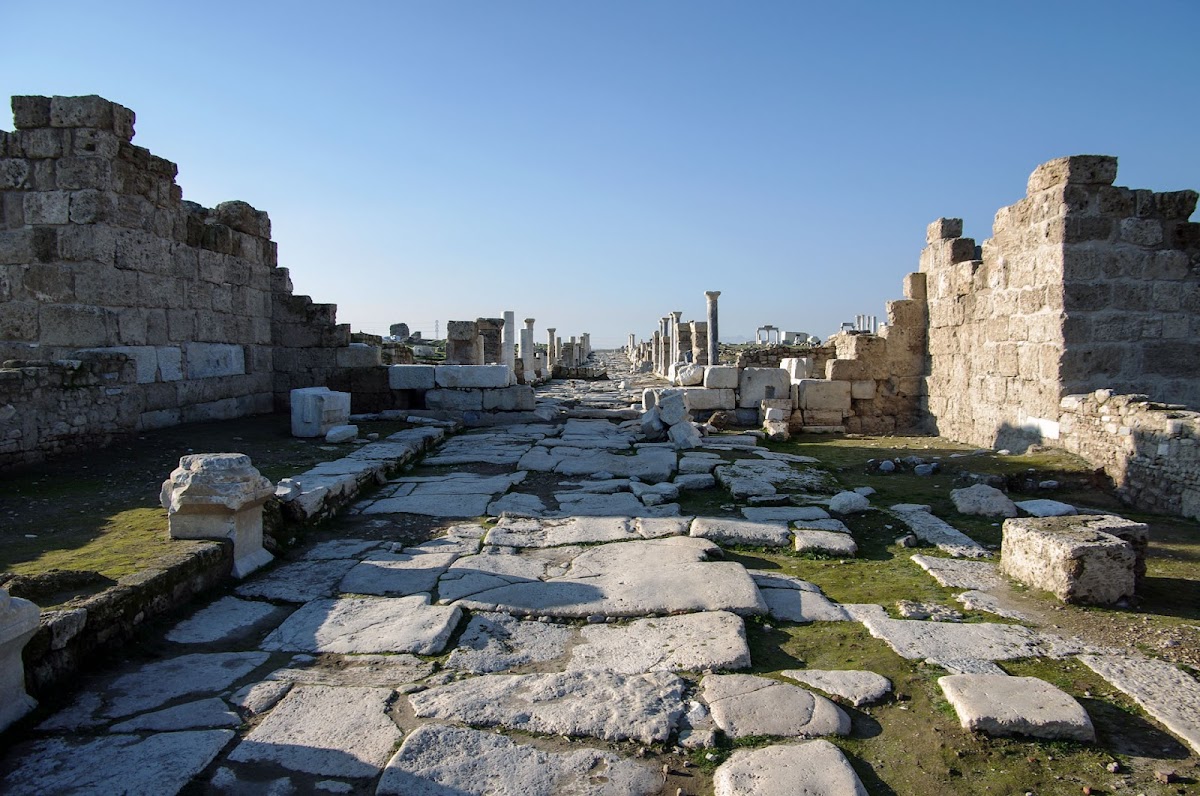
1069,558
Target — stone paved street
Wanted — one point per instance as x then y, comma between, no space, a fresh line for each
566,628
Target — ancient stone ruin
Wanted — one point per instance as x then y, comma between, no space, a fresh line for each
551,569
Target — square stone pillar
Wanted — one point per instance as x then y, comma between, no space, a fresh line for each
699,335
18,622
219,496
462,343
673,330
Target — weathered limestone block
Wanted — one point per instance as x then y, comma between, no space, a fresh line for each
997,704
411,377
700,399
862,390
755,384
207,360
462,343
1066,557
18,622
471,376
517,398
944,229
721,377
797,367
1077,169
822,395
690,375
457,400
315,410
219,496
359,355
846,370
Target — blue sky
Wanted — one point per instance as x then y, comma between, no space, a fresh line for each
595,165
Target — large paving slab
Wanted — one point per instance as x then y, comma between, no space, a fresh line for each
397,574
831,543
651,465
599,704
801,605
392,671
498,642
367,624
749,477
530,532
711,640
626,579
744,704
225,619
856,686
299,581
784,513
733,530
815,768
493,568
440,505
1163,691
437,760
956,573
333,732
1003,705
936,531
483,447
133,765
203,714
620,504
938,641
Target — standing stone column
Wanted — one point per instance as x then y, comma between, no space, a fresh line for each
699,336
550,357
714,353
18,622
656,349
673,328
510,340
528,353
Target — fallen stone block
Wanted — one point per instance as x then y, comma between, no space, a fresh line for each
744,705
983,500
315,410
816,768
1069,559
1004,705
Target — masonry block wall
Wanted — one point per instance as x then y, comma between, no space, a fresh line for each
98,251
1083,285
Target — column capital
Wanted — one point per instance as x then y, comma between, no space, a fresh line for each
711,295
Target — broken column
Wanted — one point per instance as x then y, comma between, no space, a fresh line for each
18,622
490,332
510,340
710,298
219,496
462,340
315,410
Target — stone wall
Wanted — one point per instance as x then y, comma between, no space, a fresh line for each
1150,450
98,251
1083,285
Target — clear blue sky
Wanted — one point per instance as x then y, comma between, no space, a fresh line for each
595,165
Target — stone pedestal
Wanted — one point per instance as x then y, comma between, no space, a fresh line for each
1076,558
315,410
698,333
18,622
219,496
491,333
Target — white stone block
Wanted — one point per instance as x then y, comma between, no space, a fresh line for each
411,377
863,389
721,377
315,410
797,367
755,384
690,375
170,363
824,395
208,360
471,376
701,399
341,434
18,622
219,496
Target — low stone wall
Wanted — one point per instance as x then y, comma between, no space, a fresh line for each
73,638
65,406
1150,450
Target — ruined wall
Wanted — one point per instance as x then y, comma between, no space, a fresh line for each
1150,450
99,251
1083,285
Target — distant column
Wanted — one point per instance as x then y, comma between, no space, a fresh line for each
674,330
550,358
509,338
528,361
710,296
